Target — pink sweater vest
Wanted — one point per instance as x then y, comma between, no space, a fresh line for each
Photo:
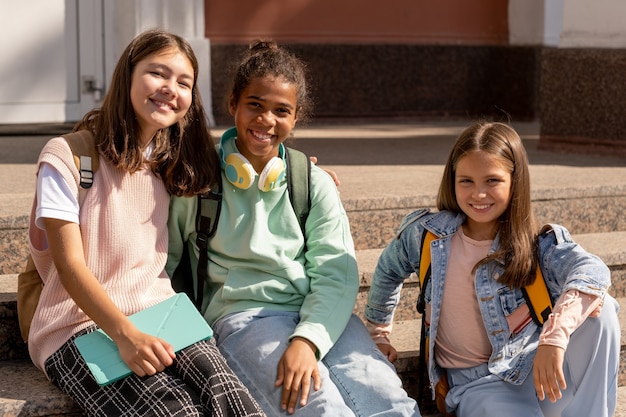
123,221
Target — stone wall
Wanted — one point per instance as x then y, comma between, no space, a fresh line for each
356,81
583,98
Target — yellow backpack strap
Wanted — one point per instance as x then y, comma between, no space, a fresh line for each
538,299
537,295
424,272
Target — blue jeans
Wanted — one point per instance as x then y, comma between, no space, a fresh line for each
357,380
590,367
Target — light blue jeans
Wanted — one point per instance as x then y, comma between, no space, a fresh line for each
357,380
590,368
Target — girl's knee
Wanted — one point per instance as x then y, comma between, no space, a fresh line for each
608,319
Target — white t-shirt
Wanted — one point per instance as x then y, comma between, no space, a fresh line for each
55,199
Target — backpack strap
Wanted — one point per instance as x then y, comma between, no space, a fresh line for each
536,294
559,233
424,276
83,147
298,184
207,216
424,272
538,299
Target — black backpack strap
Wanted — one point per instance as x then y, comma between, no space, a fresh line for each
422,384
298,184
207,216
424,274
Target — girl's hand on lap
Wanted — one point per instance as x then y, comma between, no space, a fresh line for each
548,372
295,369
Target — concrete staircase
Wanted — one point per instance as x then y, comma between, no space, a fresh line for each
393,170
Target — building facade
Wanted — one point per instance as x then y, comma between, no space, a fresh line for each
559,62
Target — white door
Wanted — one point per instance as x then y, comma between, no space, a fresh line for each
51,69
90,83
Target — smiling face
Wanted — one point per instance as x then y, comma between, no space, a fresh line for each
265,115
161,91
483,192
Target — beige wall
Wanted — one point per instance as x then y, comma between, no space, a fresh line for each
594,24
358,21
535,22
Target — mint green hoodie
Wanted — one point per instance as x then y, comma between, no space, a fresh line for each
257,258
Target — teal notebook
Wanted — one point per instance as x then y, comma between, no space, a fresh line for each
175,320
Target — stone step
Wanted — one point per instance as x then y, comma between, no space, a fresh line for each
584,206
373,221
610,247
25,391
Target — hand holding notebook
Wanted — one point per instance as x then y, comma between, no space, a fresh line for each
175,320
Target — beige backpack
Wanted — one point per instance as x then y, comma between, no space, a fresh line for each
29,283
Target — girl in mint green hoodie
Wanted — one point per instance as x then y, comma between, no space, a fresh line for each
279,300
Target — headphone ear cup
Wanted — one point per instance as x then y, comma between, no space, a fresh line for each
239,171
272,173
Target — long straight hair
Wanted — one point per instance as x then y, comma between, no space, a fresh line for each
518,230
184,156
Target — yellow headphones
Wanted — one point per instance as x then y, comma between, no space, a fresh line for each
240,172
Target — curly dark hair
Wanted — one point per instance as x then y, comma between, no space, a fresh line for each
263,58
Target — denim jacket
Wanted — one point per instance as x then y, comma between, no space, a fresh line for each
564,264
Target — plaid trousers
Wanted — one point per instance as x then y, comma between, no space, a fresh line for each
199,383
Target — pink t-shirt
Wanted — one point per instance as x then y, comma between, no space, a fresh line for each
462,340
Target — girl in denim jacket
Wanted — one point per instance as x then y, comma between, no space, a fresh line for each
496,359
